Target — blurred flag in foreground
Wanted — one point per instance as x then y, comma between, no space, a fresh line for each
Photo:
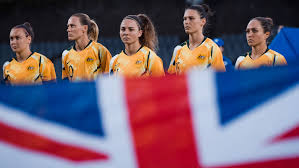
246,119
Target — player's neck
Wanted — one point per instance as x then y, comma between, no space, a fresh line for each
258,51
195,39
23,55
131,49
81,43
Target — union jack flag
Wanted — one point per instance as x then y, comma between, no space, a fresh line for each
245,119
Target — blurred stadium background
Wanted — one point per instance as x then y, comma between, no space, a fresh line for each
49,18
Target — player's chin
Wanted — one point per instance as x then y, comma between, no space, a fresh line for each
250,43
70,38
188,31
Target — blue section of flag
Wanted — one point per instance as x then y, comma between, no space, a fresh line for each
70,104
239,92
287,43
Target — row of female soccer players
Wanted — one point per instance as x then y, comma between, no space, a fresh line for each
86,58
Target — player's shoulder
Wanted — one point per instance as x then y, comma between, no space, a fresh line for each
241,58
98,45
275,53
37,56
183,43
150,54
6,63
210,43
113,59
68,49
66,52
146,52
42,59
179,47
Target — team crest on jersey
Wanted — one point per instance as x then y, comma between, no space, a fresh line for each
138,62
89,59
201,57
30,68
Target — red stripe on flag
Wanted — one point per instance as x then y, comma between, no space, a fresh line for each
279,163
291,134
161,124
37,143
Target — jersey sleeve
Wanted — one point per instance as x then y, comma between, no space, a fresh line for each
176,51
238,62
216,59
47,70
105,59
4,74
64,70
156,66
279,60
112,63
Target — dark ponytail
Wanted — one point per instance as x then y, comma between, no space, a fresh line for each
149,35
266,23
27,29
204,11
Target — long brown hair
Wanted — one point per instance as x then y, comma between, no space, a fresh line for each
149,35
93,29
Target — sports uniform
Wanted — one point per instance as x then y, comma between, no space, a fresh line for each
35,69
85,64
268,59
227,62
144,63
206,55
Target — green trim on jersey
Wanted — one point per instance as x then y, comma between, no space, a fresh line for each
90,41
136,51
250,52
204,39
274,59
184,43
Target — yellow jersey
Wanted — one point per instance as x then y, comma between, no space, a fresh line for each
35,69
85,64
269,58
144,63
206,55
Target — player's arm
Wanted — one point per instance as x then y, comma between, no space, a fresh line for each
238,62
217,59
47,70
279,60
176,51
105,60
5,76
156,66
112,63
64,67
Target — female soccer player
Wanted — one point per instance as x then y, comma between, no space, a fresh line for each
138,58
27,67
199,51
257,32
86,58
